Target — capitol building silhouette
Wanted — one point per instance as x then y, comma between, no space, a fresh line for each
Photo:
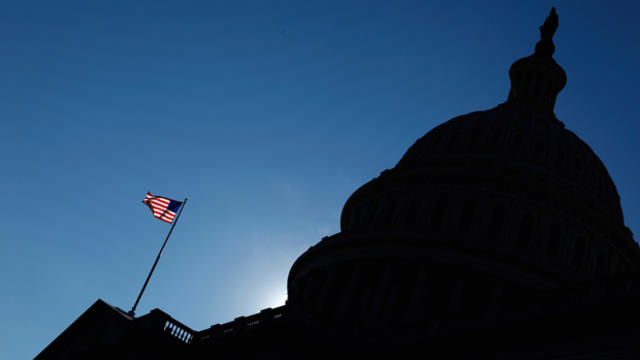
498,235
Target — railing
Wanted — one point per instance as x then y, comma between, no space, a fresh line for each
178,331
242,324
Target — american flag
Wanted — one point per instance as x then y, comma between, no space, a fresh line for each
163,208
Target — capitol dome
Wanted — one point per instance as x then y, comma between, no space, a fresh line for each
485,216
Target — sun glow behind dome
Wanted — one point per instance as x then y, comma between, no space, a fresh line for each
277,298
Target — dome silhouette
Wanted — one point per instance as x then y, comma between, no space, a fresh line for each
485,217
499,234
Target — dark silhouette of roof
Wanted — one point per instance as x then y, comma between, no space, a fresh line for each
499,234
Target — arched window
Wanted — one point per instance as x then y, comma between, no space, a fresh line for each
453,138
599,186
372,278
578,166
526,228
559,157
440,290
412,211
497,221
362,214
553,242
578,251
319,282
434,140
495,137
349,220
592,168
371,211
476,132
597,268
601,262
516,141
389,211
468,209
438,213
404,281
547,88
335,289
475,297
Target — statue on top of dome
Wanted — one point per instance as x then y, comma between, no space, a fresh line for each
545,46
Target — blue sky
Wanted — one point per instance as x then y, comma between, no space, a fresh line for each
267,116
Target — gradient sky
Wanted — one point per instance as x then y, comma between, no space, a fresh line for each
267,115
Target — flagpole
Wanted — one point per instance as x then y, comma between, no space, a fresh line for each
133,309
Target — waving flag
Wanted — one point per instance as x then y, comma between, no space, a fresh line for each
163,208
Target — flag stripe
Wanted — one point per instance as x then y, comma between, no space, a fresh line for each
162,214
162,208
159,203
159,215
